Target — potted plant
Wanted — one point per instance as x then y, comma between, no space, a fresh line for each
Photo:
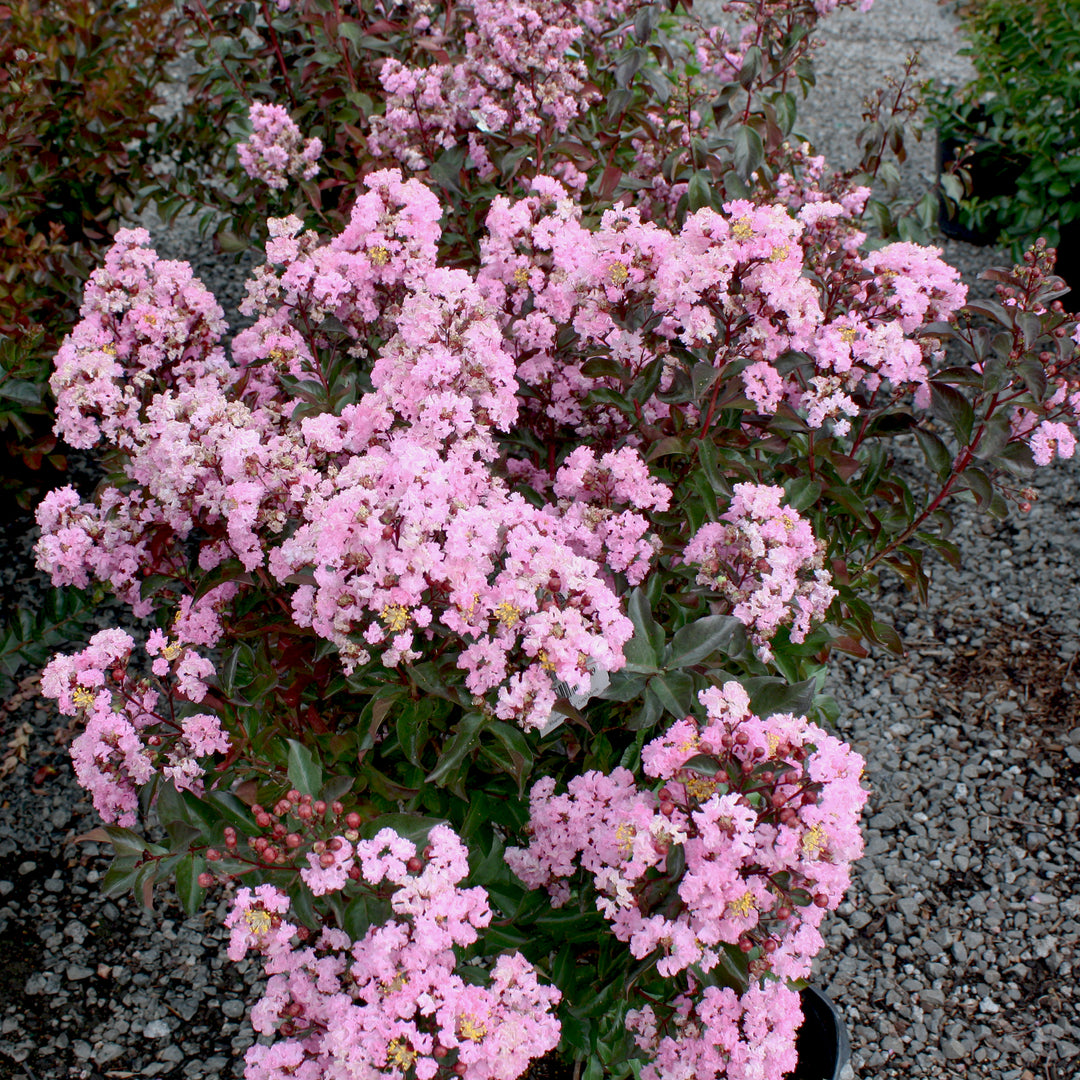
1014,129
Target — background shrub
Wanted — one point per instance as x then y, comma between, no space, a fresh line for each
78,80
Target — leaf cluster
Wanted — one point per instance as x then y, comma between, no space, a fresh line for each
1019,117
77,81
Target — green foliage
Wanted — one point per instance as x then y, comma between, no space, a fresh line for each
29,639
1021,116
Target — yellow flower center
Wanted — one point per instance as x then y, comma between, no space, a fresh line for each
618,273
395,617
779,254
545,661
742,229
521,276
743,906
380,256
471,1029
258,920
814,841
508,614
848,334
172,650
625,834
82,698
399,1053
700,787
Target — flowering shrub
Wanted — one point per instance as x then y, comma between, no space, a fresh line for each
492,591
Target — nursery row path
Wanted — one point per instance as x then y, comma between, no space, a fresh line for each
953,955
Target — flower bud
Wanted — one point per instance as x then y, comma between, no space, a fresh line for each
337,808
320,808
262,820
206,880
212,854
821,900
414,865
292,840
353,820
326,860
292,795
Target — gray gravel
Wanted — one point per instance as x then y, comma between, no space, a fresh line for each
954,953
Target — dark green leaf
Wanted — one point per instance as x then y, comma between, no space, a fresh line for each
949,405
675,691
936,453
699,640
770,695
995,435
802,492
188,889
699,191
305,773
448,771
516,757
1034,375
120,877
414,827
748,152
978,483
703,764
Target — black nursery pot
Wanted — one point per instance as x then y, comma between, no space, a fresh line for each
822,1040
994,172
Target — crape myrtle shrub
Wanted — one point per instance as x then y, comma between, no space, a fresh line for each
77,79
492,591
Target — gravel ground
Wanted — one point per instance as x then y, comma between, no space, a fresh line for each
953,956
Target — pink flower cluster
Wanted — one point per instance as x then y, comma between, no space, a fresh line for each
390,1004
520,70
763,814
717,1034
731,287
764,561
127,739
276,149
404,533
